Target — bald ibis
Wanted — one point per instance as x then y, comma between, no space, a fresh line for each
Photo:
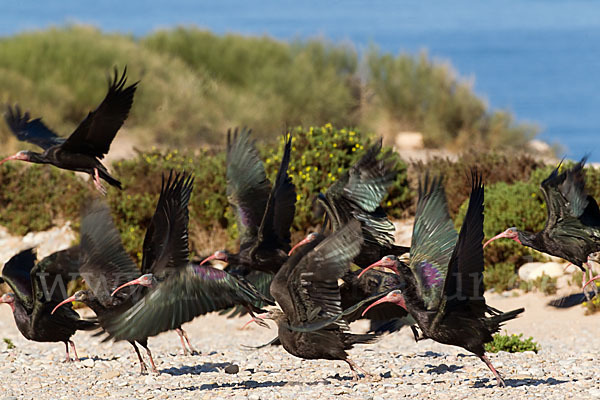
87,145
444,281
36,290
264,213
104,265
572,230
306,289
176,290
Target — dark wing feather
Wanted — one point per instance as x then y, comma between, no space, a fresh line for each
464,280
247,185
193,291
260,280
105,264
95,133
17,274
275,226
31,131
313,284
357,195
166,241
51,276
433,241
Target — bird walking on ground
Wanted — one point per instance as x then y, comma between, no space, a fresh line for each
37,289
572,229
444,281
87,145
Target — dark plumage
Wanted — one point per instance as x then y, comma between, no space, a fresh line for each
264,213
306,289
37,289
105,265
178,290
358,195
572,230
444,282
87,145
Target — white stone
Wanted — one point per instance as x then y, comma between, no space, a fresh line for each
533,270
409,141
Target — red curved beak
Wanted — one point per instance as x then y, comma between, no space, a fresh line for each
211,257
130,283
500,236
590,281
379,263
299,244
13,157
397,299
65,301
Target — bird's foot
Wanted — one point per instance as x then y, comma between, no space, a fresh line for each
98,184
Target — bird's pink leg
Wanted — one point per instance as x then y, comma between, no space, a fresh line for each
97,182
566,267
354,367
68,359
180,333
491,367
74,350
187,340
154,370
143,367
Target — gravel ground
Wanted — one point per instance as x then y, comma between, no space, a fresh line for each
566,367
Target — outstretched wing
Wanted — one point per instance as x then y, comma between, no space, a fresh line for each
313,283
193,291
433,241
166,241
31,131
247,185
464,280
274,230
359,192
105,264
17,274
96,132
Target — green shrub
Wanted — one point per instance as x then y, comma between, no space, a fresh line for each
37,197
512,344
196,84
419,95
494,166
519,205
592,306
9,344
320,155
500,277
544,284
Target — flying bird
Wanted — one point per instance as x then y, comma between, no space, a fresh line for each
572,229
307,291
87,145
444,281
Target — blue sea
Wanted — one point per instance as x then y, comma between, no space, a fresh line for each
538,59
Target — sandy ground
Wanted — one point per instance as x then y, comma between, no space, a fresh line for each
566,367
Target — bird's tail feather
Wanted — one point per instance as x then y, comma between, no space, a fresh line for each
87,324
109,179
495,322
354,338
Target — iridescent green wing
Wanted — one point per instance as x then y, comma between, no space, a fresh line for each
247,185
433,241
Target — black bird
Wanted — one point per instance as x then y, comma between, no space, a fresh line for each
572,230
87,145
177,290
37,288
165,245
105,265
264,213
357,195
306,289
444,281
